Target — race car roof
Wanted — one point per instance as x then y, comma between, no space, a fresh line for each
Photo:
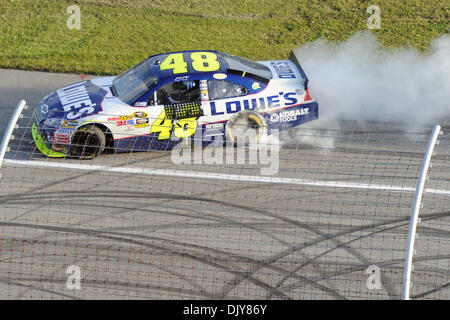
184,63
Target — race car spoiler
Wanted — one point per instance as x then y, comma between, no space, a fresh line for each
294,59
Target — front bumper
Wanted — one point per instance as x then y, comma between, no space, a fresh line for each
42,146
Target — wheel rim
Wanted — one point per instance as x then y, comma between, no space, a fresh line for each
255,123
242,123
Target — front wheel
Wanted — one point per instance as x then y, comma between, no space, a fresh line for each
87,142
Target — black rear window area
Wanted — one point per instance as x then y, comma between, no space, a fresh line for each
251,68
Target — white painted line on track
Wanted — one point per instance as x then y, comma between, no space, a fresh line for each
220,176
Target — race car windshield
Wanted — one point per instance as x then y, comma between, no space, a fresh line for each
134,83
255,69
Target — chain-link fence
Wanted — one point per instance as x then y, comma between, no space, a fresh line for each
332,223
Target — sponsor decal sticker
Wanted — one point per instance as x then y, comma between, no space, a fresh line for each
44,109
262,103
288,116
220,76
256,86
183,78
275,117
132,123
76,101
62,136
140,114
141,123
124,122
69,124
283,69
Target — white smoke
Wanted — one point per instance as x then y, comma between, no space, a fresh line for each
358,80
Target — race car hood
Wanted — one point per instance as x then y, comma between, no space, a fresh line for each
73,102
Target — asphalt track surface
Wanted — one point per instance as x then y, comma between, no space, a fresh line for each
139,226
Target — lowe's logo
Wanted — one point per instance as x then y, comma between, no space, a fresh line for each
283,69
75,99
280,100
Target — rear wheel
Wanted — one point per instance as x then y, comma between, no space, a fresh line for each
88,142
246,124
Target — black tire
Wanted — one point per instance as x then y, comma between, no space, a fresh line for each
87,142
241,122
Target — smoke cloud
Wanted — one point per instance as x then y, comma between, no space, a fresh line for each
358,80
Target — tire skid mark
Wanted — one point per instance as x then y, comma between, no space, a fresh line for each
17,284
285,219
390,263
391,287
212,217
194,256
107,257
232,205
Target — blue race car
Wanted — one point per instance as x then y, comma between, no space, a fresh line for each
169,97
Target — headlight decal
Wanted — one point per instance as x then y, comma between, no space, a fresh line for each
53,122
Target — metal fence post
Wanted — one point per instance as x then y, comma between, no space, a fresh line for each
10,128
415,211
